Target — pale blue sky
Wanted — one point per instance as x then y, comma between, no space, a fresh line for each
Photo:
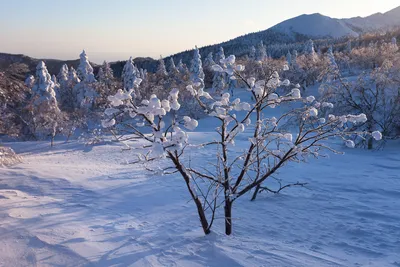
116,29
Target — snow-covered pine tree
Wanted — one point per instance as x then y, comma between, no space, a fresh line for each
43,104
30,81
161,69
63,75
289,58
261,53
196,68
252,53
348,47
129,75
173,70
309,47
220,55
394,43
85,90
57,87
85,70
208,62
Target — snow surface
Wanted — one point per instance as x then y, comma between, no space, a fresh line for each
82,206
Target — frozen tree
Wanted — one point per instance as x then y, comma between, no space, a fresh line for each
129,75
161,69
394,43
43,104
220,55
289,58
196,68
309,48
106,74
30,81
57,87
183,70
261,54
294,58
173,70
230,173
209,61
252,53
85,70
85,90
348,46
63,75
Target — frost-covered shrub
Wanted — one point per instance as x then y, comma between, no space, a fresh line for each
8,157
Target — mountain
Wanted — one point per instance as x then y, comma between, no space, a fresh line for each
375,22
315,25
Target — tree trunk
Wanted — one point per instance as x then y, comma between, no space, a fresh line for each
255,192
199,206
228,217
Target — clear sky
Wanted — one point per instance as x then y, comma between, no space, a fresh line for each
115,29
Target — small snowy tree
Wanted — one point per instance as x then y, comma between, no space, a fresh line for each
196,68
161,70
289,58
173,70
348,47
85,90
261,54
252,53
230,173
209,61
394,43
129,75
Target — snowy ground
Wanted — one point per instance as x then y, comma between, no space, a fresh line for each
79,206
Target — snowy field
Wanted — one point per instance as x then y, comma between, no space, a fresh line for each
81,206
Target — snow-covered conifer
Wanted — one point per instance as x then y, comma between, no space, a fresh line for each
161,69
209,61
196,68
173,70
44,103
85,70
252,53
129,75
261,54
289,58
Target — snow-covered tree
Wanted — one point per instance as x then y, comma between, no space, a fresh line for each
252,53
173,70
85,70
161,69
309,48
220,55
63,75
348,46
183,69
266,145
43,104
85,90
30,81
289,58
209,61
106,74
57,87
129,75
394,43
196,68
261,54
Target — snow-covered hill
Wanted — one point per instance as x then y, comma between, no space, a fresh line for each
315,25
